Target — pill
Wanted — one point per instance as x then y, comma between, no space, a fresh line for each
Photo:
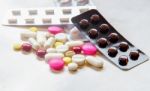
62,48
16,12
64,20
95,61
82,2
55,29
51,50
49,43
89,49
26,47
34,43
65,2
40,53
79,59
61,37
49,56
67,60
74,43
29,20
49,34
41,37
58,44
12,21
74,32
28,34
56,64
33,29
72,66
69,53
77,49
17,46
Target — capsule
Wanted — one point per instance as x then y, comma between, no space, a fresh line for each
49,43
95,61
34,43
53,55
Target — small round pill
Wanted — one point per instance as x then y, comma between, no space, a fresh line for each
93,33
113,37
102,42
55,29
72,66
67,60
89,49
104,28
84,23
134,55
17,46
79,59
58,44
26,47
56,64
69,53
33,29
77,49
112,51
123,46
123,60
40,53
95,18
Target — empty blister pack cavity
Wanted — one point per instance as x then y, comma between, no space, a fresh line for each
43,16
108,41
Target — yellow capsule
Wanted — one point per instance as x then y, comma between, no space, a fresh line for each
58,44
69,53
67,60
17,46
33,29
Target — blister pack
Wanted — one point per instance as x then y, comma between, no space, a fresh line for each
43,16
108,40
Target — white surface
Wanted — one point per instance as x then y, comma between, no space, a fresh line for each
19,72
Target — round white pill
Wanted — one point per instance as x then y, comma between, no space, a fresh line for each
72,66
61,37
79,59
95,61
62,48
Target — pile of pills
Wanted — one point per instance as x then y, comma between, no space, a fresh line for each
54,47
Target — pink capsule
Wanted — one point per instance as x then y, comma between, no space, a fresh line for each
56,64
77,49
89,49
55,29
26,47
41,53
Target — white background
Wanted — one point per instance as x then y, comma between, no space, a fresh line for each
19,72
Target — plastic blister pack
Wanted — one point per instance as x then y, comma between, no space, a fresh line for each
43,16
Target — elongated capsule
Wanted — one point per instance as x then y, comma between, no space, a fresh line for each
53,55
49,43
34,43
74,43
94,61
41,37
28,34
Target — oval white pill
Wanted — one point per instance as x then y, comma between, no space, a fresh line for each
94,61
34,43
53,55
79,59
49,43
62,48
51,50
72,66
28,34
74,43
41,37
61,37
